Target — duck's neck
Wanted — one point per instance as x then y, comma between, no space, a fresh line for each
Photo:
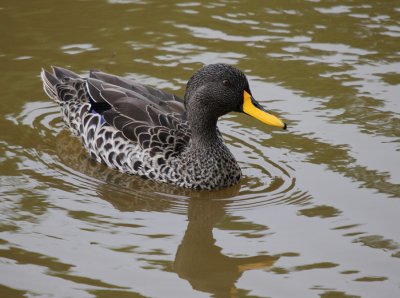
203,126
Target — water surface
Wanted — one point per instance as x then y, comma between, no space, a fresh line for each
317,212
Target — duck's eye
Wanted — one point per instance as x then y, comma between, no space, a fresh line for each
225,82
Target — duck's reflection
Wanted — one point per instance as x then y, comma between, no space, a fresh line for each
198,259
201,262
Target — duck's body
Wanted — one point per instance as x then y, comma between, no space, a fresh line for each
144,131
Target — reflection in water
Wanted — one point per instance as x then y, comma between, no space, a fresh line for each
202,263
198,260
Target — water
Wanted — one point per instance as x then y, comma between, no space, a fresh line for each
316,214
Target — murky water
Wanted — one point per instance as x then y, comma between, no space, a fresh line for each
317,213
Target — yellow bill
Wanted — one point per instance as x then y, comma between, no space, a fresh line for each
253,108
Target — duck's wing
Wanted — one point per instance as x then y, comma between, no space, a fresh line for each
156,96
145,115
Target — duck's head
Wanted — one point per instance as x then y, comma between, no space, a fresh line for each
218,89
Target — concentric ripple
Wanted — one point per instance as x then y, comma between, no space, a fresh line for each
61,156
265,180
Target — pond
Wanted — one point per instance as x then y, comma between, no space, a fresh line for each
316,213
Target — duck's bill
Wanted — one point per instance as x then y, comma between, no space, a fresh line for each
253,108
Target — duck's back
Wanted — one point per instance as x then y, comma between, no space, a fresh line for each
128,126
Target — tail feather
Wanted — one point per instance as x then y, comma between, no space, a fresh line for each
63,85
49,83
62,73
68,90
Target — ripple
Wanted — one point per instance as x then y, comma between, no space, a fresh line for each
179,54
204,32
126,1
78,48
42,115
62,162
235,21
23,58
334,9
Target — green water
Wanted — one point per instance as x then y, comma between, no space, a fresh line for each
317,212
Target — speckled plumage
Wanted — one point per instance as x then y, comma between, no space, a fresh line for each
143,131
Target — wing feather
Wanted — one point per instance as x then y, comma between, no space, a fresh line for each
150,117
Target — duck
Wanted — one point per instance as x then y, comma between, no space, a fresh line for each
141,130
